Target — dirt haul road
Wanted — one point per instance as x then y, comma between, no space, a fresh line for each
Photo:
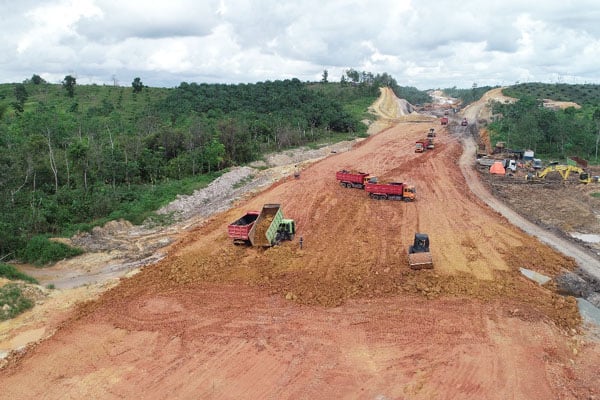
343,317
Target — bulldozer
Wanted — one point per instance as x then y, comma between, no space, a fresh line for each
419,256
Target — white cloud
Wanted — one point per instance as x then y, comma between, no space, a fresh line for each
424,44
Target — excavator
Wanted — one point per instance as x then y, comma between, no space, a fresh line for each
565,171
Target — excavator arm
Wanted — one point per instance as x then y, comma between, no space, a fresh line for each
564,171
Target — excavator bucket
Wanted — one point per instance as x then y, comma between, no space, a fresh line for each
420,260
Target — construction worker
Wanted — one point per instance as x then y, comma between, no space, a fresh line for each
301,242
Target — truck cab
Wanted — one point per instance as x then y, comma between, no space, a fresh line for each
409,193
286,231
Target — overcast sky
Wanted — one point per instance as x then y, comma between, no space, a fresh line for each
426,44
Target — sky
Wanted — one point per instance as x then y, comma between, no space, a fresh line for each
426,44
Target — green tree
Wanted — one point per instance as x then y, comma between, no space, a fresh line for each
69,84
325,76
21,96
36,79
353,75
137,85
596,118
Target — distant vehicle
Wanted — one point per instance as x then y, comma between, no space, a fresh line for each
510,164
537,163
464,122
420,146
444,120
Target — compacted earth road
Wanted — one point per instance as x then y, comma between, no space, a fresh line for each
341,317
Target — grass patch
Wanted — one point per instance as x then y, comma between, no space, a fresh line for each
9,272
12,301
243,182
596,194
41,251
145,202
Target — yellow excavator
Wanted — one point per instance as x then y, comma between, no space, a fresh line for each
564,171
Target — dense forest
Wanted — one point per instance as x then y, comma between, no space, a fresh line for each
74,156
555,134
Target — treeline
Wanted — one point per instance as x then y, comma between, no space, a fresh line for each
72,156
582,94
468,96
369,85
556,134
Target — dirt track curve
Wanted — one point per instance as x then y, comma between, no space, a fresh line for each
341,318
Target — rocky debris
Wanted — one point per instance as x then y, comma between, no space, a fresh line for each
572,284
217,196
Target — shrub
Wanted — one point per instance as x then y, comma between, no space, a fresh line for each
12,301
41,251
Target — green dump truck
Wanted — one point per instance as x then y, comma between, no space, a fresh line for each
268,229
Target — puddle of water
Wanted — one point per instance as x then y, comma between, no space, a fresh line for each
535,276
586,237
588,311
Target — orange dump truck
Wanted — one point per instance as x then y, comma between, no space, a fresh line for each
391,191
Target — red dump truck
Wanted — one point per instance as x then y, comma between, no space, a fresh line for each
444,120
352,179
239,229
391,191
420,146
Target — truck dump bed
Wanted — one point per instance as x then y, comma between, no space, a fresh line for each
351,178
420,260
240,228
395,188
265,228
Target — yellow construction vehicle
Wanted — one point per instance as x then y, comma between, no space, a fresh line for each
564,171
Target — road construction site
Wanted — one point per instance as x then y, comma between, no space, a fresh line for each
344,316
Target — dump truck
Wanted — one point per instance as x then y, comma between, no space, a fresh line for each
352,179
239,229
444,120
390,191
420,146
464,122
265,229
430,145
419,256
271,228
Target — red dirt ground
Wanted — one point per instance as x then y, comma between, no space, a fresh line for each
344,317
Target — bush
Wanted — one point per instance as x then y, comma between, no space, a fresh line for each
10,272
12,301
41,251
